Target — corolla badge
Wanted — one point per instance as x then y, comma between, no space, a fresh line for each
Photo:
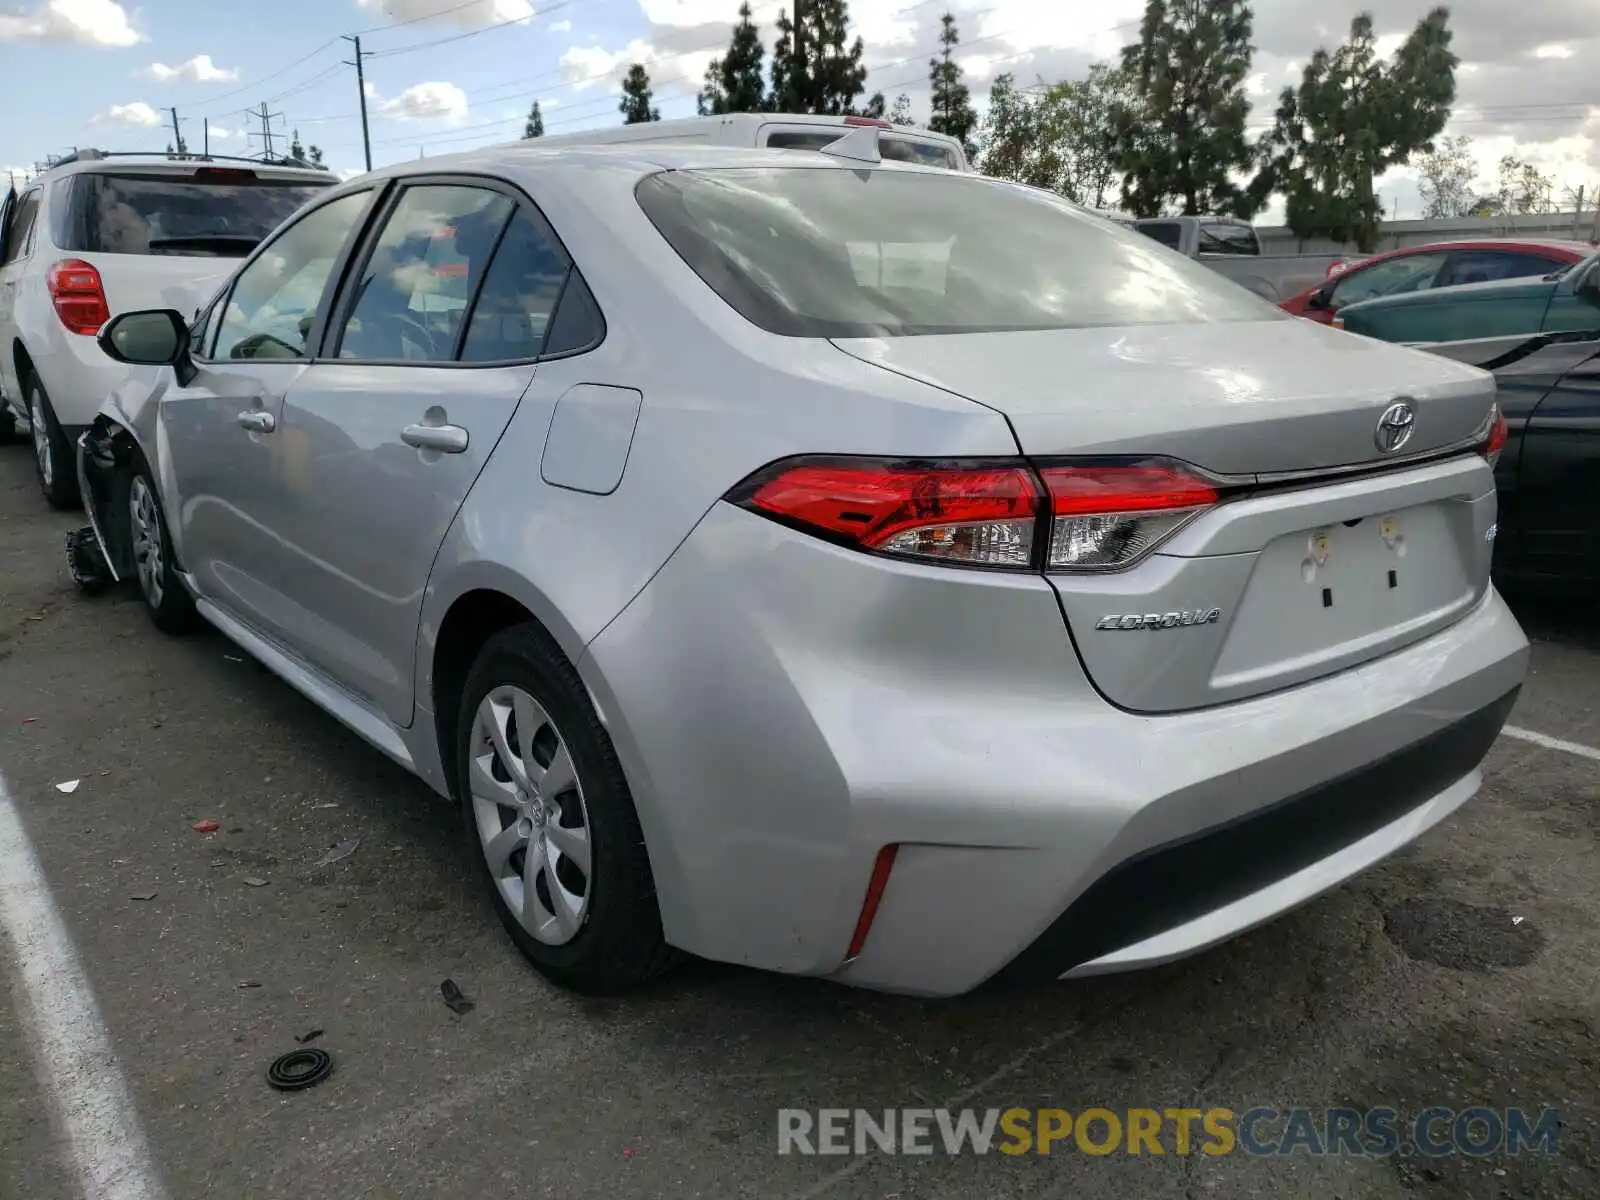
1395,427
1171,620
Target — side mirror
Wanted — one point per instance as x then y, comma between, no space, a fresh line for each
155,337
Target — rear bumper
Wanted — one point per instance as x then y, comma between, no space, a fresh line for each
77,377
785,709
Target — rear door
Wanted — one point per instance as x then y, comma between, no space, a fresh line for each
17,220
1557,499
424,365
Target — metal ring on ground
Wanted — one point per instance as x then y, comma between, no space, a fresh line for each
299,1069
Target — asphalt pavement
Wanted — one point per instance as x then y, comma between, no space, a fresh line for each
1463,972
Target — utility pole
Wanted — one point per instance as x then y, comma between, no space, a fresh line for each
361,88
205,137
177,137
798,66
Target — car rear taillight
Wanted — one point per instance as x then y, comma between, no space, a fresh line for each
1494,441
975,514
1108,516
78,296
997,513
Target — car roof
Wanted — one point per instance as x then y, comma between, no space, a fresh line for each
1486,243
160,163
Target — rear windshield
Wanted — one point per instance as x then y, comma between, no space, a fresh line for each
193,216
899,149
817,252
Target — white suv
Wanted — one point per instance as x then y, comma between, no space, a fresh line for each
102,234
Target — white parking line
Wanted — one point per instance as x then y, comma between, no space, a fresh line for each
73,1055
1550,743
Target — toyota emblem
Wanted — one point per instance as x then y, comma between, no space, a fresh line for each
1395,427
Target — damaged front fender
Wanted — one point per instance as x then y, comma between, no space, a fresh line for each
101,554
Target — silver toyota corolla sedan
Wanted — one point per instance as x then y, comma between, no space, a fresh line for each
827,565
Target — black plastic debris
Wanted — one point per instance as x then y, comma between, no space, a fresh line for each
299,1069
86,561
309,1037
458,1003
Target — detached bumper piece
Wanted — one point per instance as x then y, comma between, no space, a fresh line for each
86,560
1170,885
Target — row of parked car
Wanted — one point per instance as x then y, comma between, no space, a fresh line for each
771,550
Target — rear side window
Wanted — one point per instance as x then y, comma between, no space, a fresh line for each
207,212
896,149
1484,266
21,226
813,251
1223,238
512,316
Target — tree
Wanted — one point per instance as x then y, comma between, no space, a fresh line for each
952,102
1077,122
1523,189
1180,139
1352,117
1015,143
535,126
828,76
300,155
636,96
734,82
1447,174
900,114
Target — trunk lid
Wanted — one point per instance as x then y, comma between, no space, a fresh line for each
1283,580
1233,397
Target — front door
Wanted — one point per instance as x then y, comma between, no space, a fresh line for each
223,452
422,371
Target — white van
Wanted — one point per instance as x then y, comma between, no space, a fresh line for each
783,131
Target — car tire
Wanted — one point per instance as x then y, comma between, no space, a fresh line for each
166,598
52,455
600,930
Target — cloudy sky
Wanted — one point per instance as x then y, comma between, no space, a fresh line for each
446,75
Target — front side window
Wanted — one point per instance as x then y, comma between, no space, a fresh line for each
276,300
813,251
1168,233
412,295
1390,278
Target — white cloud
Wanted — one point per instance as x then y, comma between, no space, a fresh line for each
349,172
474,15
1553,50
218,133
83,22
199,69
427,102
137,113
591,66
561,27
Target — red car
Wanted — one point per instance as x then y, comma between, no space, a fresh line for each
1439,264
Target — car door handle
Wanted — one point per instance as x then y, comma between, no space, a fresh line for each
447,439
258,420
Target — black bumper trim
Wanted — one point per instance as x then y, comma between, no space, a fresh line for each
1171,884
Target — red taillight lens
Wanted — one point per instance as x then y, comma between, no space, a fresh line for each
1495,441
981,515
978,513
1107,517
78,296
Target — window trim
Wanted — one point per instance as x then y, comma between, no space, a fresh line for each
330,286
327,346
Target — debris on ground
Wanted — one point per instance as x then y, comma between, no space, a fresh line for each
249,983
68,787
458,1003
309,1037
205,826
299,1069
340,852
255,881
1517,920
150,895
29,720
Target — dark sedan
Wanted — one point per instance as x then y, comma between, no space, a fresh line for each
1549,473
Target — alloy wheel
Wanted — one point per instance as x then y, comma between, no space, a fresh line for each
145,530
41,441
529,809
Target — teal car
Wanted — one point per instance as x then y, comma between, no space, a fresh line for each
1566,300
